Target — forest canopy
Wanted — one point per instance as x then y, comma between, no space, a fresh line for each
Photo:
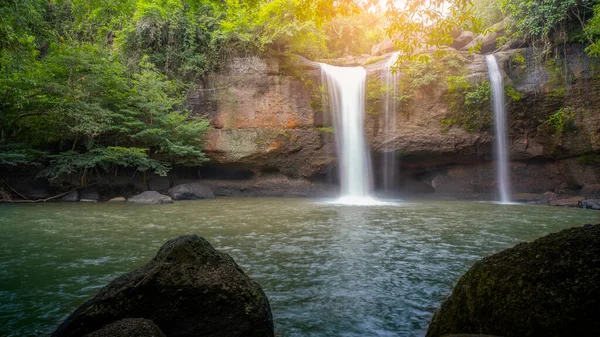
96,85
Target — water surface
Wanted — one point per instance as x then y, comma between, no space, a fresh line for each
328,270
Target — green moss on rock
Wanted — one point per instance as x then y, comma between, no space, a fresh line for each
550,287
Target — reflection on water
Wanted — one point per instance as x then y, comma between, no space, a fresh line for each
328,269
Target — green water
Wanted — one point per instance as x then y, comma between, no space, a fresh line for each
328,270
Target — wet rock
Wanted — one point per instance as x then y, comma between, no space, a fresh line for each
546,197
191,191
90,194
187,289
549,287
129,327
570,202
71,197
590,204
463,39
117,200
150,198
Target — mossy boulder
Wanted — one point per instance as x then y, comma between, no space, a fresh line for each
187,289
129,327
549,287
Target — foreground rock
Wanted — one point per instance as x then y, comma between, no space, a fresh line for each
129,327
550,287
187,289
191,191
150,198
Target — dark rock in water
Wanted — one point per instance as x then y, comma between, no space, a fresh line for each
129,327
590,204
550,287
90,194
71,197
150,198
187,289
192,191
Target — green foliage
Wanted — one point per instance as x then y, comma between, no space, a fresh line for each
327,129
589,159
419,24
15,154
592,32
364,29
428,71
547,22
81,96
469,104
559,121
71,162
487,12
512,93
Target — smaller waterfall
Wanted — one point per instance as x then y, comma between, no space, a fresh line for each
346,90
390,162
501,153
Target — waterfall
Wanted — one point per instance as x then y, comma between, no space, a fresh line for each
501,153
390,162
346,90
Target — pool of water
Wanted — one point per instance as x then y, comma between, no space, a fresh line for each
328,269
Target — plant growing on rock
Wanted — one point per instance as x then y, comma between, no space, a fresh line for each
469,104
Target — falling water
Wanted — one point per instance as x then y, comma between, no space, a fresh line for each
390,162
501,154
346,90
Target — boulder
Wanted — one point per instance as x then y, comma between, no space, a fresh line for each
129,327
150,198
117,200
383,47
570,202
488,42
546,197
187,289
191,191
549,287
71,197
463,39
590,204
89,194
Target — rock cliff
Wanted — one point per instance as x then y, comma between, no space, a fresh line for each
268,119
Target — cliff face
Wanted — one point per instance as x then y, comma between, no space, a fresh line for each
267,117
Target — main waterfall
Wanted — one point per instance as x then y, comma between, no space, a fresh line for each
346,91
501,153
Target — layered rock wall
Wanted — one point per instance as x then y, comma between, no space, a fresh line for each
268,118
